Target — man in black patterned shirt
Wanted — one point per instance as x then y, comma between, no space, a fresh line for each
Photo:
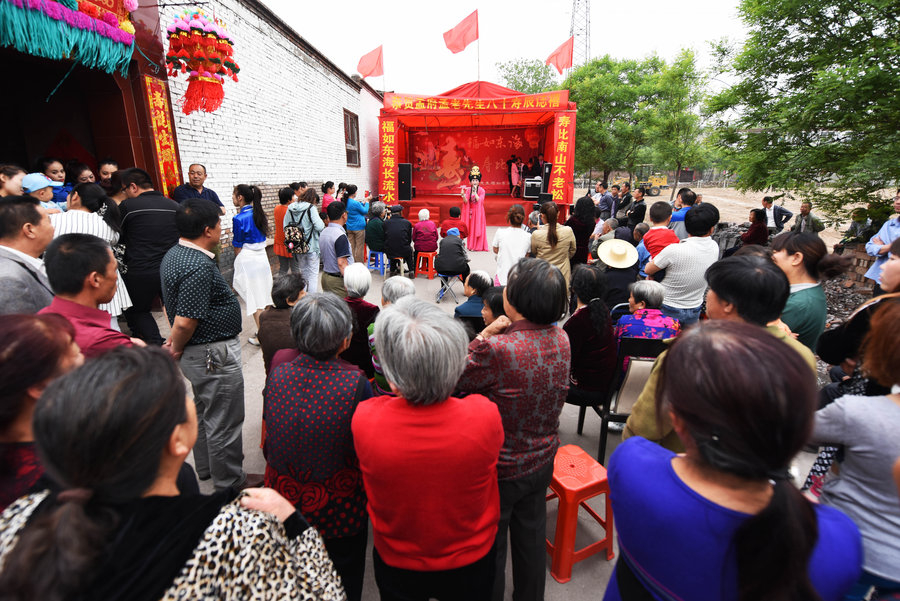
206,320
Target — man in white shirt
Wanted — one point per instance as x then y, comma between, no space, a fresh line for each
686,263
25,231
776,216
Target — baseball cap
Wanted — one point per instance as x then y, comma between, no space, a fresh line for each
37,181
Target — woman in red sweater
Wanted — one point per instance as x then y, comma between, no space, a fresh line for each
433,497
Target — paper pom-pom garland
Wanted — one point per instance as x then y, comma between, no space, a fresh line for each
200,47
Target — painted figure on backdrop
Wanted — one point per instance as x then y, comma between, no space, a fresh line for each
450,174
473,211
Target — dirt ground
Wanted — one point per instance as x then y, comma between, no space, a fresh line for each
735,206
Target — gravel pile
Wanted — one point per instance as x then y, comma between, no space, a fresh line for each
842,301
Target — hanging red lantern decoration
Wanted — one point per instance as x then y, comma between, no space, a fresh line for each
201,47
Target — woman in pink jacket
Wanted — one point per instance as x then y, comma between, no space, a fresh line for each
473,211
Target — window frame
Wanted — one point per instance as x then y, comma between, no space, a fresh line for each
351,131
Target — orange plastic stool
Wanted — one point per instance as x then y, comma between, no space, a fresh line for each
425,264
577,477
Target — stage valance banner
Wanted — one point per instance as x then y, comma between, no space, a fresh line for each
163,136
442,160
563,157
401,103
387,180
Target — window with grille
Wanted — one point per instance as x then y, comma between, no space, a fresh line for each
351,138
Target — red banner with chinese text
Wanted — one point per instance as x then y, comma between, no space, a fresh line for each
439,104
442,160
388,131
562,184
163,134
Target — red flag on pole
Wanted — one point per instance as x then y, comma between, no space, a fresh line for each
562,56
463,34
371,64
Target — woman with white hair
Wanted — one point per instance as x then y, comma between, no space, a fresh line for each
646,319
425,235
434,500
310,459
392,290
358,280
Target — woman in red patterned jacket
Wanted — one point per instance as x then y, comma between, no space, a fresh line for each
310,460
521,362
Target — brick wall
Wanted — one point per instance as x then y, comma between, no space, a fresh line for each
283,120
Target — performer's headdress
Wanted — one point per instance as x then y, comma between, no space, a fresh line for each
475,173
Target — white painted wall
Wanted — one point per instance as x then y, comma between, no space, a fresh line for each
282,121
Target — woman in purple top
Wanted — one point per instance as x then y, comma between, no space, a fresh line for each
646,319
722,521
425,235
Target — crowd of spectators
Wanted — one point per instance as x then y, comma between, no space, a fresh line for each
437,432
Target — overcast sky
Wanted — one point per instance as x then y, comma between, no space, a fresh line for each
417,61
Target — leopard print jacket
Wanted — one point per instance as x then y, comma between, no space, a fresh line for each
244,554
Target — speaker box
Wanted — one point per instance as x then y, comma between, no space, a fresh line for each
532,188
404,181
545,175
545,197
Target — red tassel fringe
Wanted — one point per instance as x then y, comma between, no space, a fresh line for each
202,95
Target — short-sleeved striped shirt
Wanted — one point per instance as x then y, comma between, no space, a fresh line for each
84,222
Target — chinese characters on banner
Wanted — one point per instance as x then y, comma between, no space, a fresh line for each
161,125
563,158
116,7
387,174
526,103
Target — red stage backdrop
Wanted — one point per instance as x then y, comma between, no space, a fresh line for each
442,160
477,123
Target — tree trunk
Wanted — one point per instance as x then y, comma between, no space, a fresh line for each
677,177
606,176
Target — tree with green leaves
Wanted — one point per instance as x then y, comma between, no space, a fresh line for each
615,111
678,129
529,76
816,108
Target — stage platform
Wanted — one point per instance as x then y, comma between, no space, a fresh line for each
495,207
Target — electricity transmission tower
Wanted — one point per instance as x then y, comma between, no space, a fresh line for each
581,29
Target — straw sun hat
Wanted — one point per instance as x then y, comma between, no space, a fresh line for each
618,254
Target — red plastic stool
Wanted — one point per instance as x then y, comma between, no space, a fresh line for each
425,264
577,477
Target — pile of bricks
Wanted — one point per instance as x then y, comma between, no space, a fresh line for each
855,277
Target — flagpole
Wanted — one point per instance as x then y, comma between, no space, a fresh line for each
479,58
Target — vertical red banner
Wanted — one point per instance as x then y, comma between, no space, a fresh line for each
163,135
387,175
562,177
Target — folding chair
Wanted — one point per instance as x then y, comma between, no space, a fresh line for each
624,391
618,311
447,282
